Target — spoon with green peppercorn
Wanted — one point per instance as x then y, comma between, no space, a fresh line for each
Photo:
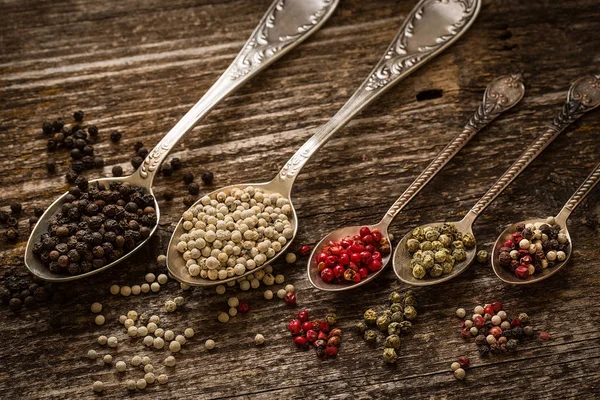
431,27
542,269
500,95
283,27
583,96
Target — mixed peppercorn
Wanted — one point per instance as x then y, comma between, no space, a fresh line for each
95,226
534,247
353,258
317,333
394,321
494,331
436,249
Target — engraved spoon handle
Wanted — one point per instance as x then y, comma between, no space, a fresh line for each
583,96
285,24
579,195
431,27
501,94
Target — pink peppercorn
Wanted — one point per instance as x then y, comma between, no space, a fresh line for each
515,322
488,310
479,322
496,331
306,326
243,307
303,316
522,271
311,335
464,361
331,351
294,326
545,336
327,275
290,299
324,326
497,306
466,333
300,340
305,250
364,231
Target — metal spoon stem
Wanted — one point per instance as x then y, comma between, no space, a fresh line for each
500,95
579,101
578,196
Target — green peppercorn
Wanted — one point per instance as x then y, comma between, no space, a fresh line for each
370,336
331,318
436,271
410,313
405,326
427,261
394,308
432,235
445,240
413,245
457,244
389,356
395,297
468,240
512,345
440,256
418,234
482,256
394,328
524,318
397,317
370,316
447,267
426,245
419,271
383,322
528,330
409,300
392,342
362,327
459,254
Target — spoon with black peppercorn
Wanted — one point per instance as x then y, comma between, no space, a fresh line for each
583,96
431,27
500,95
545,258
283,27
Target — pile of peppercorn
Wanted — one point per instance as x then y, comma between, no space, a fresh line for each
79,139
319,334
95,226
16,292
435,249
352,258
534,247
494,331
394,321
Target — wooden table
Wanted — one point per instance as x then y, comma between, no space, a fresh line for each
138,66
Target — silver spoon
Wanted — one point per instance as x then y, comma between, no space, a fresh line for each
583,96
561,220
500,95
431,27
283,27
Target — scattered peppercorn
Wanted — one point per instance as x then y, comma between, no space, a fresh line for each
136,161
169,194
115,136
78,116
166,169
16,208
326,341
193,189
117,171
188,178
175,164
207,177
51,165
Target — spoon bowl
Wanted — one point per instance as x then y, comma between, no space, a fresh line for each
177,265
35,265
508,276
314,276
402,258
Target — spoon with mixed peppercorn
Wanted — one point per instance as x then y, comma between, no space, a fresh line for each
352,256
412,263
533,250
100,223
239,229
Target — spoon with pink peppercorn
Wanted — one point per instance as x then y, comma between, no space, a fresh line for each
583,96
60,255
352,256
259,236
541,247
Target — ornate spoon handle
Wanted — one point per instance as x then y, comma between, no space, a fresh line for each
583,96
285,24
500,95
431,27
579,195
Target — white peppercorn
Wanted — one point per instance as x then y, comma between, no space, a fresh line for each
142,331
148,368
189,333
162,279
289,288
149,377
233,302
132,331
98,386
102,340
223,317
145,288
174,346
161,260
141,384
281,293
181,339
107,359
210,344
125,291
154,318
148,341
136,361
154,287
96,308
290,258
169,335
170,361
112,341
128,323
145,360
162,379
259,339
268,294
159,343
170,306
136,289
455,365
159,332
120,366
232,311
179,301
99,320
115,289
221,289
131,385
279,279
460,374
460,313
92,354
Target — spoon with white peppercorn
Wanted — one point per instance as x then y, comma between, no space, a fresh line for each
583,96
264,230
546,258
500,95
283,27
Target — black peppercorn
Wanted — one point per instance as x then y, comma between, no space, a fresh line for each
58,124
15,304
47,128
51,145
4,217
78,116
68,142
169,194
193,188
33,220
16,208
189,200
188,178
88,162
12,234
59,137
207,177
93,131
38,211
88,150
517,332
77,166
166,169
137,145
175,164
98,162
79,134
51,165
136,161
117,171
76,154
115,136
142,152
484,350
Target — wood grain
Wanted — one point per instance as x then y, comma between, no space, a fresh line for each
138,66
